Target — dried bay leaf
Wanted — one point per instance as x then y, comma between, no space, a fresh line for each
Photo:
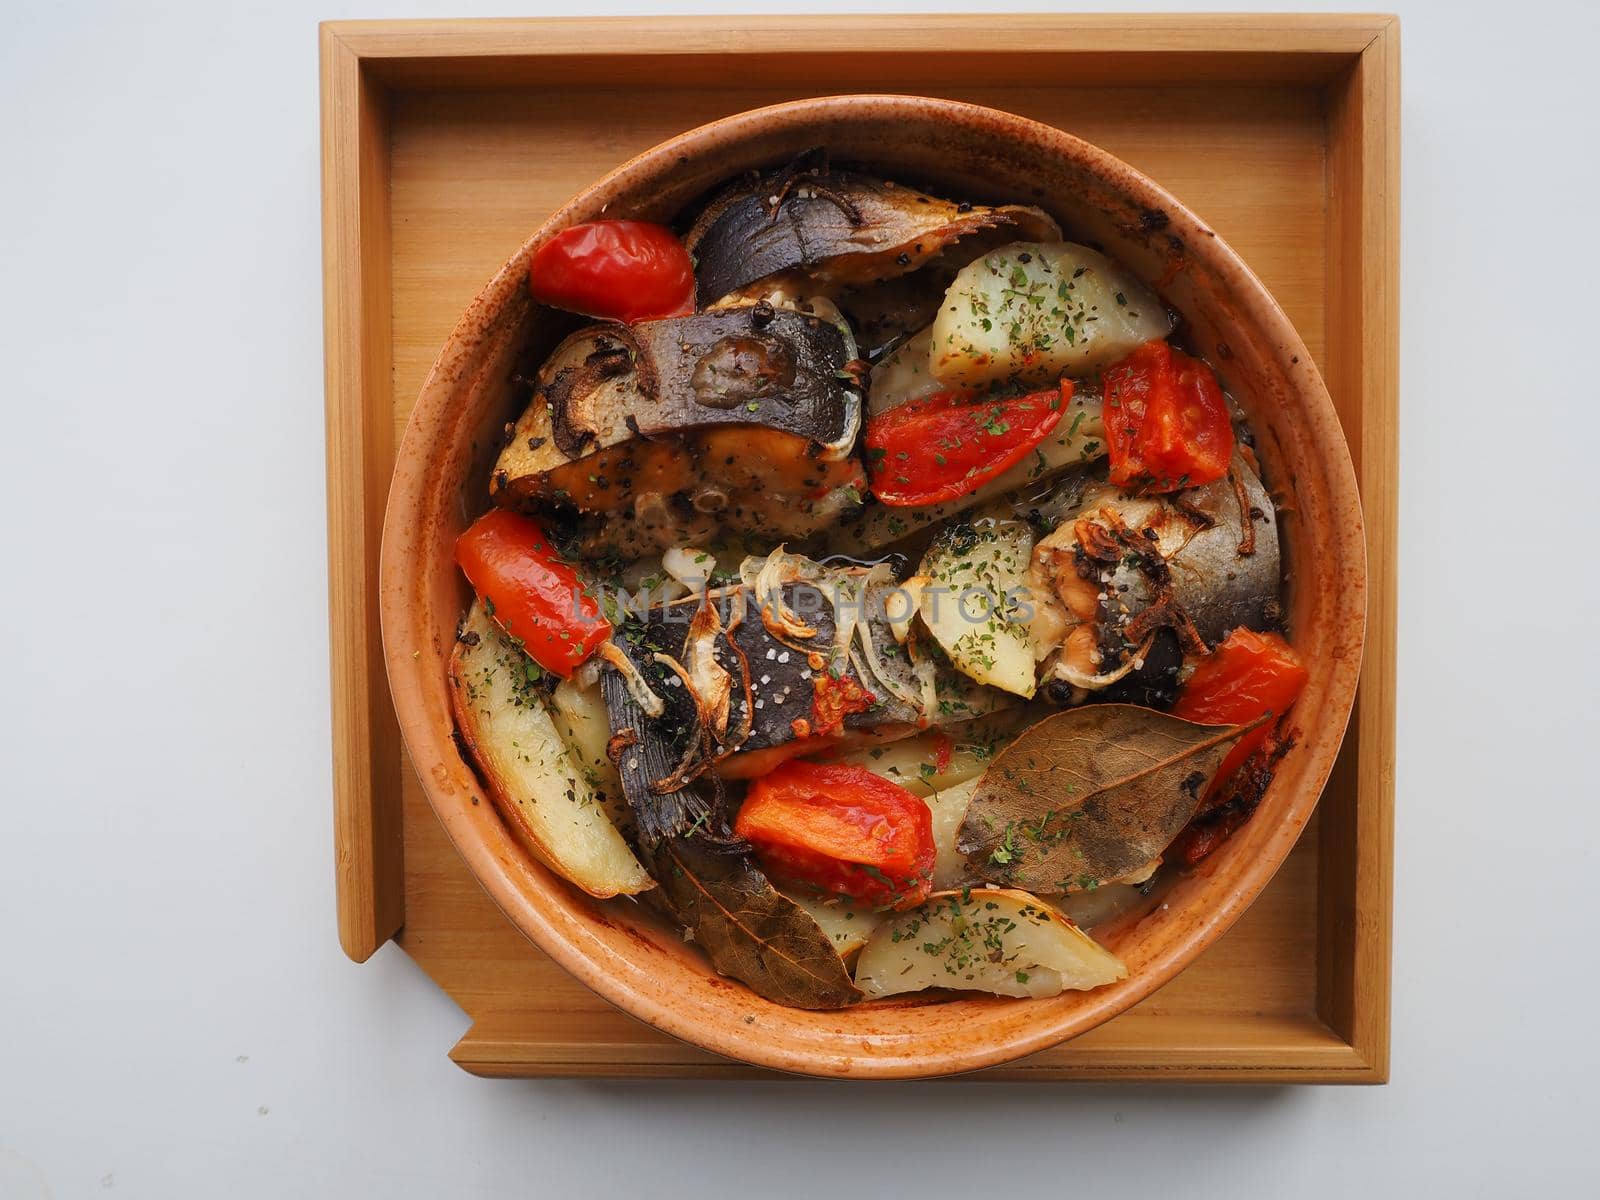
1089,795
747,928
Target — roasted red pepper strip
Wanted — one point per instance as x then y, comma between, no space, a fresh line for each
536,598
1201,838
1167,424
840,829
935,449
1224,809
620,270
1246,675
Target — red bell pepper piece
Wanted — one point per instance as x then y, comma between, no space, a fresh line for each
840,829
1246,675
931,450
1167,424
536,598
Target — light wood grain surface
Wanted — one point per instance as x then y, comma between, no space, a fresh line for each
1297,177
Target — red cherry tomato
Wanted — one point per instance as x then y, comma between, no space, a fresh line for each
616,270
1167,424
935,449
536,598
840,829
1246,675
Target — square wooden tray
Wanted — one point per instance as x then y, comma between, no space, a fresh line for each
446,143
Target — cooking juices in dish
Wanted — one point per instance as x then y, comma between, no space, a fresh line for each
877,586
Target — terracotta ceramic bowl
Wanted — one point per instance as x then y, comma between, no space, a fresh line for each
440,483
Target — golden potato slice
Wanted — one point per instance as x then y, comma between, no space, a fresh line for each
543,794
975,575
913,762
1037,311
848,925
993,940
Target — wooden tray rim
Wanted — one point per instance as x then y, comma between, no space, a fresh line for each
1355,57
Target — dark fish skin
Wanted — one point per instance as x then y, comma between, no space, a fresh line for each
837,227
1154,685
784,370
781,701
780,680
780,674
648,749
747,365
1200,532
1220,588
668,432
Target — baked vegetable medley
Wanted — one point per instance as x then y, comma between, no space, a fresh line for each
875,584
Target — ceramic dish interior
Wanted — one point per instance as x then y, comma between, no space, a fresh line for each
440,485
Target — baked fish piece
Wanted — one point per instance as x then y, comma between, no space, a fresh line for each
740,420
840,228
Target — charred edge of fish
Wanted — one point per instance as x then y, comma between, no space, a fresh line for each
706,369
572,387
1247,516
811,160
620,741
1103,541
697,754
708,685
641,753
747,692
1164,612
804,219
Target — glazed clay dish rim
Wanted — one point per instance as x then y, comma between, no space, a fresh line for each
880,1040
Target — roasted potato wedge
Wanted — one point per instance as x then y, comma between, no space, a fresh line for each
949,808
532,777
913,762
1039,310
579,714
970,581
992,940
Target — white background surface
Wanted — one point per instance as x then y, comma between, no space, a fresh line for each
176,1018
